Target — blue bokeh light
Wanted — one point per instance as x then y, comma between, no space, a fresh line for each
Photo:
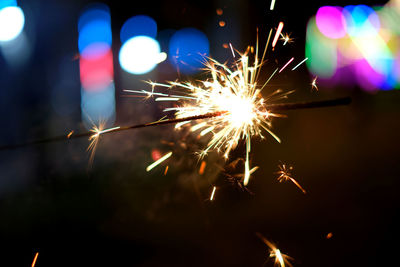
137,26
140,55
94,12
95,32
188,49
6,3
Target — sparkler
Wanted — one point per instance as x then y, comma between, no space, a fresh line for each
281,259
285,174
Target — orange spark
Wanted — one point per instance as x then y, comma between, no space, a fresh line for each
35,259
281,259
222,23
202,167
285,174
166,170
70,133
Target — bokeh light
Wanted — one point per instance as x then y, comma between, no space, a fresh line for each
188,49
361,40
140,25
7,3
331,22
96,66
12,21
140,55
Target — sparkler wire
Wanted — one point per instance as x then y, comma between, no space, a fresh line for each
270,108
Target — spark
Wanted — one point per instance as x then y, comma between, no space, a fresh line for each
304,60
290,61
202,167
286,38
35,259
157,162
285,174
233,52
281,259
235,93
94,138
272,5
166,170
314,84
213,193
277,34
329,235
69,134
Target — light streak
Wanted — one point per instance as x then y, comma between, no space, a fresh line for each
304,60
281,259
157,162
277,34
213,193
272,6
285,174
233,52
290,61
35,259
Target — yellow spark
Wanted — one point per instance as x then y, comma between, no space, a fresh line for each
157,162
236,94
272,5
286,38
213,193
286,175
35,259
94,138
281,259
314,84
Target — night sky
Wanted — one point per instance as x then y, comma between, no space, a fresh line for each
114,213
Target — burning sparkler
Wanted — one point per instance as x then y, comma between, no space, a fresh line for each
285,174
281,259
235,94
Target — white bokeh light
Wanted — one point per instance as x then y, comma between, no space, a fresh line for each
140,55
12,22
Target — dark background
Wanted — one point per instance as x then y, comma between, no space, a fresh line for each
114,213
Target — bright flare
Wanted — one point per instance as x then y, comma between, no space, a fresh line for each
236,94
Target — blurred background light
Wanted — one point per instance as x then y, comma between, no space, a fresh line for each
331,22
96,66
140,25
6,3
12,22
140,55
356,39
188,49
